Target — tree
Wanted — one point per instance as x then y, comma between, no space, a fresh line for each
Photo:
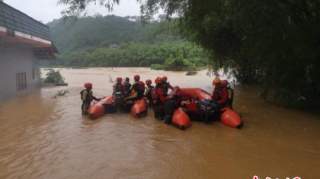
273,43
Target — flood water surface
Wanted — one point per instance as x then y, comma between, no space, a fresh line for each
46,137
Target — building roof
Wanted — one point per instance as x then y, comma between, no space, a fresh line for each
16,20
17,27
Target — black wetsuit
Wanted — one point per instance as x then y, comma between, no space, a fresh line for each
148,94
157,103
166,86
139,88
127,87
169,107
118,93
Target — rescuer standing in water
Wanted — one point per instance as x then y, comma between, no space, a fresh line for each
164,105
87,97
136,92
171,103
158,98
166,85
148,91
118,93
137,89
220,93
127,87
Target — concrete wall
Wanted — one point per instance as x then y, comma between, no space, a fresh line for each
17,59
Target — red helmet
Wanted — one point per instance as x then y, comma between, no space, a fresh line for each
164,78
158,80
136,78
88,85
119,80
148,82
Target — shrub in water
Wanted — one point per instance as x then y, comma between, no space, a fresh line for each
54,77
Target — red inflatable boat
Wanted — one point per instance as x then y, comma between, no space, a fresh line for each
180,119
97,108
194,93
199,102
230,118
139,108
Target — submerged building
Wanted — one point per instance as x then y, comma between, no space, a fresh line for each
23,42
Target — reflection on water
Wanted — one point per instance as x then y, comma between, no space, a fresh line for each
43,137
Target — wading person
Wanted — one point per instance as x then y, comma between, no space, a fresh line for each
118,88
220,93
136,92
163,104
148,91
170,104
137,89
166,85
87,97
158,99
127,87
118,92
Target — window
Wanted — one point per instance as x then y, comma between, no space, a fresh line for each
21,80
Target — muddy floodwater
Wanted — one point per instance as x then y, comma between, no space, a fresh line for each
47,138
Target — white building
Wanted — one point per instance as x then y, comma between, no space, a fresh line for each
23,42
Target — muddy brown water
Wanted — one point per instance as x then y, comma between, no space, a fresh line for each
45,137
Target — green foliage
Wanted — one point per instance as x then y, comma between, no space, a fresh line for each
272,43
76,7
184,54
178,63
157,67
73,34
54,77
113,41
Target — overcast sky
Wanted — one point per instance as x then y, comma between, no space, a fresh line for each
47,10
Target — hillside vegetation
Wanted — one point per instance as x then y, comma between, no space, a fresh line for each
111,41
272,44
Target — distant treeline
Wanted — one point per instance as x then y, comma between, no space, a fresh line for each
113,41
170,56
272,44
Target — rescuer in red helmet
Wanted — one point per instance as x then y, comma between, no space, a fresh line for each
87,97
137,89
127,87
118,93
158,99
136,93
118,88
220,93
166,85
